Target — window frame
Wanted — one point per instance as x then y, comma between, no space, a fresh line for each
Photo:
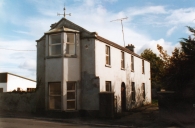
69,43
143,91
132,63
58,95
107,55
75,91
51,45
143,67
110,86
133,95
122,60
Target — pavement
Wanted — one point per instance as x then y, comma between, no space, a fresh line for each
146,116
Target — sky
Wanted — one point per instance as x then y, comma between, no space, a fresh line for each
149,22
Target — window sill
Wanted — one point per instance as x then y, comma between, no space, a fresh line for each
143,73
70,56
106,65
132,70
60,56
123,69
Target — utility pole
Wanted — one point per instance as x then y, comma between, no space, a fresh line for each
122,26
58,14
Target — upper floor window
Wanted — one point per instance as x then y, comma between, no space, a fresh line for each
143,70
107,55
132,63
122,60
55,45
70,44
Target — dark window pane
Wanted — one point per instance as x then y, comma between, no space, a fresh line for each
70,95
1,90
71,86
55,102
70,104
55,39
55,88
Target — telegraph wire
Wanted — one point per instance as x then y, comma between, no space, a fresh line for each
18,50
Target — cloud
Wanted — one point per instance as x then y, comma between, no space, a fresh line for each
147,10
183,15
29,64
171,30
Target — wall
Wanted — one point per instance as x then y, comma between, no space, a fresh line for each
116,75
4,86
14,82
90,83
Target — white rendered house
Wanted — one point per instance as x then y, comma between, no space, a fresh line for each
75,65
11,82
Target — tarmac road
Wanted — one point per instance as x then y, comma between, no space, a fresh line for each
34,123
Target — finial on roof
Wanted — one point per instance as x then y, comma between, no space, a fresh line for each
58,14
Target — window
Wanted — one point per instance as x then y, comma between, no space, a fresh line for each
55,95
55,45
107,55
122,60
143,67
143,91
1,90
108,86
71,95
133,91
70,44
132,63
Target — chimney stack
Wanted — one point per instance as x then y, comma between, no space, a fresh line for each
130,47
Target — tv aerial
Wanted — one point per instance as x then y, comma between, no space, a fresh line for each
122,26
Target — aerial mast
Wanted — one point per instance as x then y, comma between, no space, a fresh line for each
122,26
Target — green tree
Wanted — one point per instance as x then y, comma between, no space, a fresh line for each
156,64
179,67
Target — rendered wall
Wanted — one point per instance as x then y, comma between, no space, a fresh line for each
90,83
14,82
116,75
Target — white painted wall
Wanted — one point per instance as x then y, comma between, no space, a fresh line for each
14,82
4,86
117,76
63,69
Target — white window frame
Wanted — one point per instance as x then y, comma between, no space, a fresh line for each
108,55
69,43
132,63
51,45
108,83
143,67
56,95
122,60
71,99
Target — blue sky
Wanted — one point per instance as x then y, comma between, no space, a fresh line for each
150,22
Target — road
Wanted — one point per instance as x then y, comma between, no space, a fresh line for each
34,123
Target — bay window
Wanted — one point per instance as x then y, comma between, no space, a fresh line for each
55,95
55,45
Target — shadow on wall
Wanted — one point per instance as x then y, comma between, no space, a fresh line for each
27,102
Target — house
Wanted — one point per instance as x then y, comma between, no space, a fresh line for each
75,65
10,82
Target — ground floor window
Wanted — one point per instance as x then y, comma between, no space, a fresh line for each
71,95
55,95
133,91
108,86
1,90
143,91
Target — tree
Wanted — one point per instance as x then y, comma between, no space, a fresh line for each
156,64
179,67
